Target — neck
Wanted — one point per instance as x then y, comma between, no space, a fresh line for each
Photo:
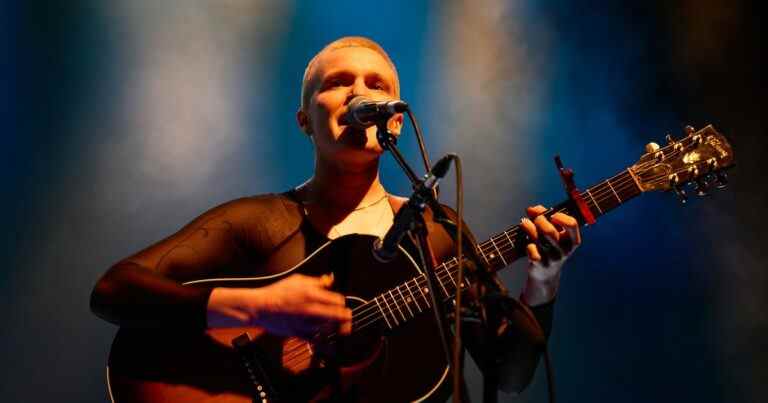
343,188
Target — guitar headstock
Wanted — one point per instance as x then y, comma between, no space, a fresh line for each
700,158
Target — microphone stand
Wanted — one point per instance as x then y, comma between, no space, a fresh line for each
416,205
489,293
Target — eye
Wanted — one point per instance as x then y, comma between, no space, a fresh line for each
335,82
332,83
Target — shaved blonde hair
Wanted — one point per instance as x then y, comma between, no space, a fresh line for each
308,84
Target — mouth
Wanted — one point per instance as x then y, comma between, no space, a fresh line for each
353,136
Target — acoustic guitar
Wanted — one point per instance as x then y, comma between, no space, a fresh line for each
392,354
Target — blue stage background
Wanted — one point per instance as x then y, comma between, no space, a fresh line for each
126,119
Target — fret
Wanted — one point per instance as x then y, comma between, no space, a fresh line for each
423,295
595,202
465,281
481,252
397,305
603,193
629,187
445,269
404,300
376,300
634,179
391,312
408,287
441,285
614,191
511,242
604,197
499,252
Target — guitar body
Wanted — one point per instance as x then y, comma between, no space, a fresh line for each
389,360
373,364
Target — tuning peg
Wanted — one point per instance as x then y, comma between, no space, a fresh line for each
689,130
702,186
722,180
677,187
670,139
680,193
651,148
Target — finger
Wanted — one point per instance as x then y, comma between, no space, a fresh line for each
535,211
328,327
545,227
345,327
530,228
329,312
324,296
570,225
326,280
533,253
550,249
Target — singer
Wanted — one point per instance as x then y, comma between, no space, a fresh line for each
270,235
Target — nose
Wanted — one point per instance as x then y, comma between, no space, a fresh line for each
358,88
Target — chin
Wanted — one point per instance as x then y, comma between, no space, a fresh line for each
358,158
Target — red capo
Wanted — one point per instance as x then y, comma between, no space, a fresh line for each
573,193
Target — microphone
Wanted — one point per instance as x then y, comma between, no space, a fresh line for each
384,250
363,112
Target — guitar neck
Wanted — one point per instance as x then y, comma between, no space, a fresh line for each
506,247
397,305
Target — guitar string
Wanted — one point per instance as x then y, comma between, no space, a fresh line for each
367,310
400,302
598,195
371,311
484,247
446,269
445,272
602,193
619,187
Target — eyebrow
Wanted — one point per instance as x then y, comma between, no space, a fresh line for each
336,74
372,75
377,76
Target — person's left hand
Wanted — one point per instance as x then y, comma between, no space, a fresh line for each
554,240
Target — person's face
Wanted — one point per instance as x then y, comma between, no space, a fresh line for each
339,76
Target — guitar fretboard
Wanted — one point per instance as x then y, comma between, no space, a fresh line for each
404,302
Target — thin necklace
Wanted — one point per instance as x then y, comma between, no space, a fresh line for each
336,233
371,204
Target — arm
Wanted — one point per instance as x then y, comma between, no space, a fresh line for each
514,354
145,290
511,352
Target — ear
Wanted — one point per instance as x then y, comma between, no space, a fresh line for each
303,120
395,123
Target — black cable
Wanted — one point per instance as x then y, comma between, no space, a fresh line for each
550,373
420,140
457,345
456,360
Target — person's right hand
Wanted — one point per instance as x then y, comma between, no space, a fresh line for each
298,305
